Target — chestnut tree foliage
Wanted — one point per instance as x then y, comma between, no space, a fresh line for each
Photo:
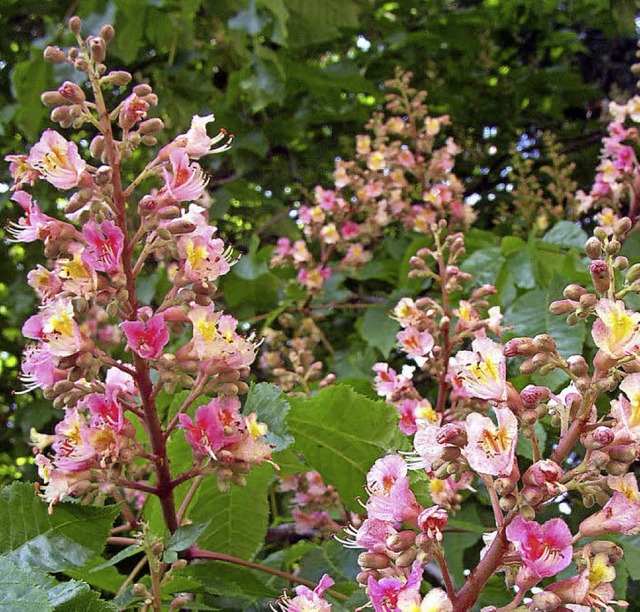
418,355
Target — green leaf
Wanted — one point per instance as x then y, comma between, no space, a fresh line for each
566,234
232,529
341,434
76,596
231,580
125,553
529,315
484,264
130,19
69,537
631,545
21,589
271,406
320,21
28,79
379,330
185,536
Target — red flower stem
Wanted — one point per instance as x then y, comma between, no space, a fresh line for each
487,566
136,486
119,541
188,497
495,502
448,583
192,473
576,429
196,553
163,489
443,385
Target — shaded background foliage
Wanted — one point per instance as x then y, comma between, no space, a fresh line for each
295,81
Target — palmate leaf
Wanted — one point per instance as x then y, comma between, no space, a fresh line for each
341,433
24,589
69,537
238,519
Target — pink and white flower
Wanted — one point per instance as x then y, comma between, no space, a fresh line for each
104,246
186,181
481,372
147,338
545,549
57,160
491,447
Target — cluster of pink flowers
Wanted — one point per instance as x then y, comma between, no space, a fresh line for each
399,175
617,182
100,354
470,438
313,502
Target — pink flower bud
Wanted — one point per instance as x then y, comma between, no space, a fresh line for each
599,271
452,433
432,521
72,92
533,395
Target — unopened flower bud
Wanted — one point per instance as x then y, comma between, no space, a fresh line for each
578,365
508,503
532,395
107,32
599,275
454,434
598,438
81,64
546,602
61,115
593,248
544,343
96,148
53,98
401,541
98,48
519,347
151,125
633,273
623,454
611,549
103,175
621,262
75,25
616,468
613,248
142,89
119,78
560,307
406,558
600,233
72,92
54,55
528,366
363,577
181,226
149,141
573,292
373,560
527,512
532,495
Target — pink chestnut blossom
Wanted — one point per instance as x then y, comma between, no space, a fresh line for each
545,549
481,372
206,432
415,343
490,448
432,521
57,160
198,143
133,109
314,278
186,181
56,329
616,329
621,514
395,594
104,246
147,338
35,225
371,535
307,600
391,499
